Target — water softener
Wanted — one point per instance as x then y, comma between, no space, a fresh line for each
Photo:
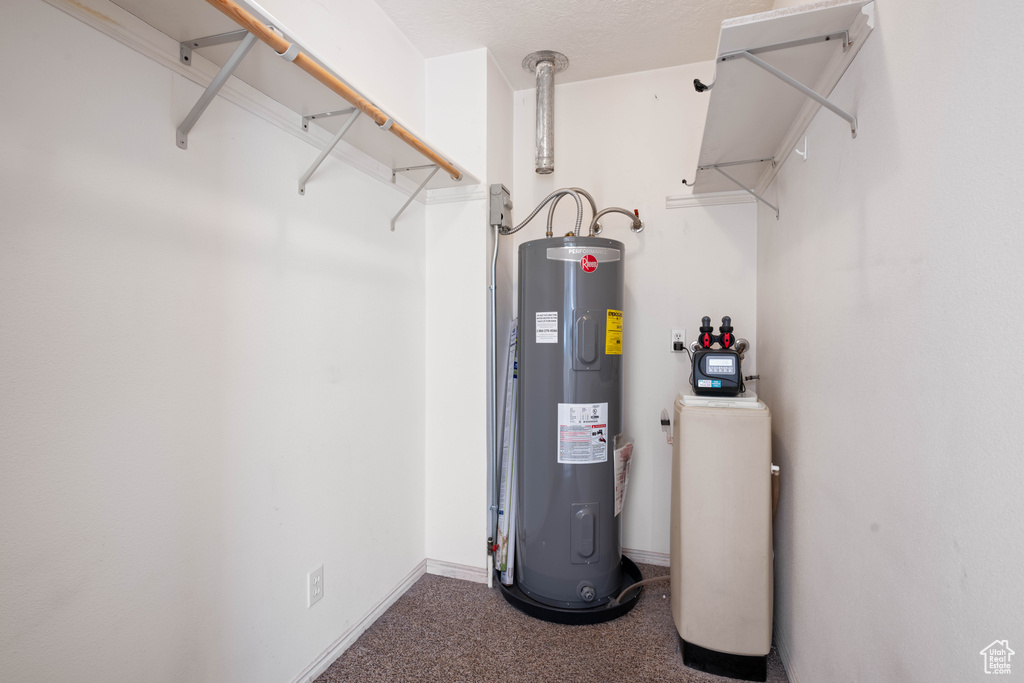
568,552
717,372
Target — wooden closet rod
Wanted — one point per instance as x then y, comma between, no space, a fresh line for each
280,45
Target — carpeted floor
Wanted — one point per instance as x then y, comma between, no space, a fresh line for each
457,631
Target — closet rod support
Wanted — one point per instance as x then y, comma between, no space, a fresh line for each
185,47
324,115
413,195
211,91
790,81
327,150
403,169
745,189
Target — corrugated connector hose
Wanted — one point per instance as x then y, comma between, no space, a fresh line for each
556,193
593,212
637,225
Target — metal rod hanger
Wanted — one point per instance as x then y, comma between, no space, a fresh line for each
327,150
737,163
185,47
292,52
403,169
826,37
418,189
709,167
211,90
325,115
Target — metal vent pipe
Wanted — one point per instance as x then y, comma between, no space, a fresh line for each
545,64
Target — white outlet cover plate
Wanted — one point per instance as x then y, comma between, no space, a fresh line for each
315,583
678,336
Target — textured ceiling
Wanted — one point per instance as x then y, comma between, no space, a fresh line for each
600,37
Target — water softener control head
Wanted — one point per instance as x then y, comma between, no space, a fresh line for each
717,372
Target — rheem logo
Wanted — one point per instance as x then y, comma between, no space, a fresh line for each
588,263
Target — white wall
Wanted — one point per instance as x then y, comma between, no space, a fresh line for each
630,140
456,320
206,377
357,40
890,314
469,113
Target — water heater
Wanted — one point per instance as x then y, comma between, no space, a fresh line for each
568,551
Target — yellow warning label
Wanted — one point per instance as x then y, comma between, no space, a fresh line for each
613,333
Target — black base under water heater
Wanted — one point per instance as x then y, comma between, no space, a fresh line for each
568,550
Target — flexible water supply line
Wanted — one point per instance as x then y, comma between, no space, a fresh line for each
653,579
556,193
638,225
551,211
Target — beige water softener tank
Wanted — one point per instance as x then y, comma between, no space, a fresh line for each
722,534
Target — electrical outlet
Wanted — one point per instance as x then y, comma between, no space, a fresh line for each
316,585
678,341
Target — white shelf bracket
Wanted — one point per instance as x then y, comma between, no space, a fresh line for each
185,47
211,91
418,189
326,150
718,167
792,82
403,169
324,115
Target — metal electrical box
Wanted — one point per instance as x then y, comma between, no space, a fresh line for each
500,208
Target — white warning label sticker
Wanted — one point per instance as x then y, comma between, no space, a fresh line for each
547,327
582,433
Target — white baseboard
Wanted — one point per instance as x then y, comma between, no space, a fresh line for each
787,660
338,647
457,571
647,557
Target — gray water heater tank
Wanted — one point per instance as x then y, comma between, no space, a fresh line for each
568,550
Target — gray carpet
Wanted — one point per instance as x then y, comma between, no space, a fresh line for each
450,630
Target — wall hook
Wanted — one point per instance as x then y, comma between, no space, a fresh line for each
802,152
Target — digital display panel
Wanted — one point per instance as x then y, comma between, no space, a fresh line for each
721,365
